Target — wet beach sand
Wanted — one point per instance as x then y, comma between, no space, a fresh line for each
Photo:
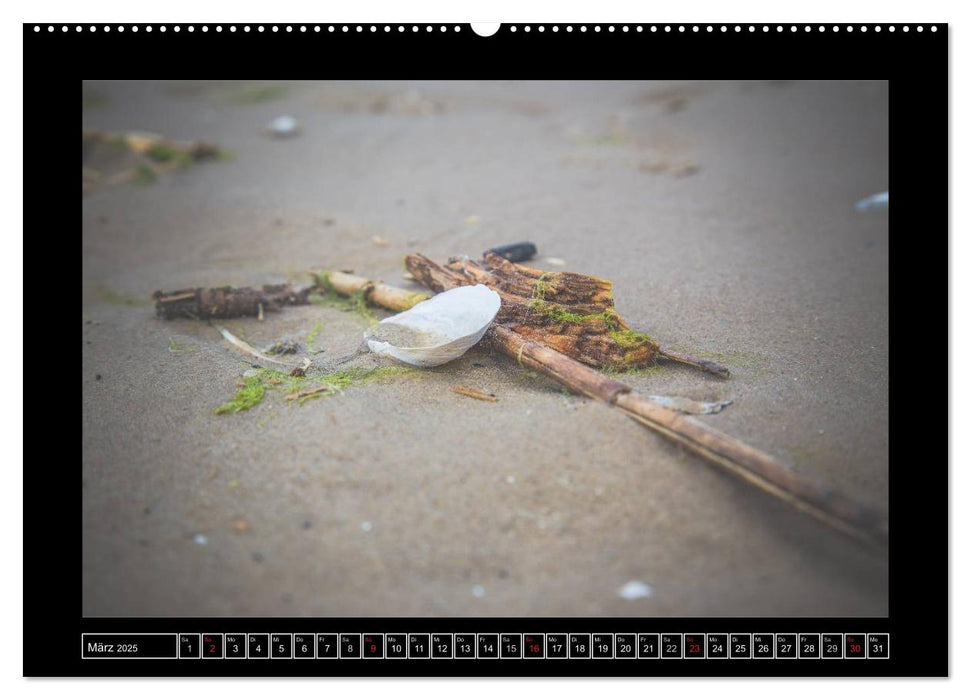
722,212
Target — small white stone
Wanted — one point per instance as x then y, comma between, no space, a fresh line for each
559,262
880,200
510,479
633,590
366,526
201,540
478,591
283,126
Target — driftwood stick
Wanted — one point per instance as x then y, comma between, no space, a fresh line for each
374,292
728,453
227,302
759,469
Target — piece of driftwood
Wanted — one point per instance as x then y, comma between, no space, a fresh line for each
569,312
474,393
729,453
370,291
724,451
227,302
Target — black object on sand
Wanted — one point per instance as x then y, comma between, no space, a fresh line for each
515,252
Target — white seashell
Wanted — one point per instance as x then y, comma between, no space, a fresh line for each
283,126
634,590
881,200
439,329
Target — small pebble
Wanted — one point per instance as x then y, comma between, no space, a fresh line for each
306,524
97,377
379,242
366,526
633,590
241,526
257,557
478,591
201,540
510,479
559,262
283,126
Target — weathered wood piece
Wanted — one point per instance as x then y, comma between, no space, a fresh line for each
227,302
569,312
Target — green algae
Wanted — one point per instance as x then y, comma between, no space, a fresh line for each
312,338
628,338
627,371
356,303
177,348
144,175
249,395
162,152
254,388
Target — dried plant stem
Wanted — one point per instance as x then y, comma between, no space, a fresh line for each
474,393
375,293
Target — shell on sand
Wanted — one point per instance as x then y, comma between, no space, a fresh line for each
439,329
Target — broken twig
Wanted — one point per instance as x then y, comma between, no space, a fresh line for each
472,393
227,302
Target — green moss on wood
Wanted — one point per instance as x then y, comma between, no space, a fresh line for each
356,303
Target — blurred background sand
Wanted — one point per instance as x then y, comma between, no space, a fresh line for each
724,215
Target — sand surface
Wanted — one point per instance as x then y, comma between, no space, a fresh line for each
723,213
